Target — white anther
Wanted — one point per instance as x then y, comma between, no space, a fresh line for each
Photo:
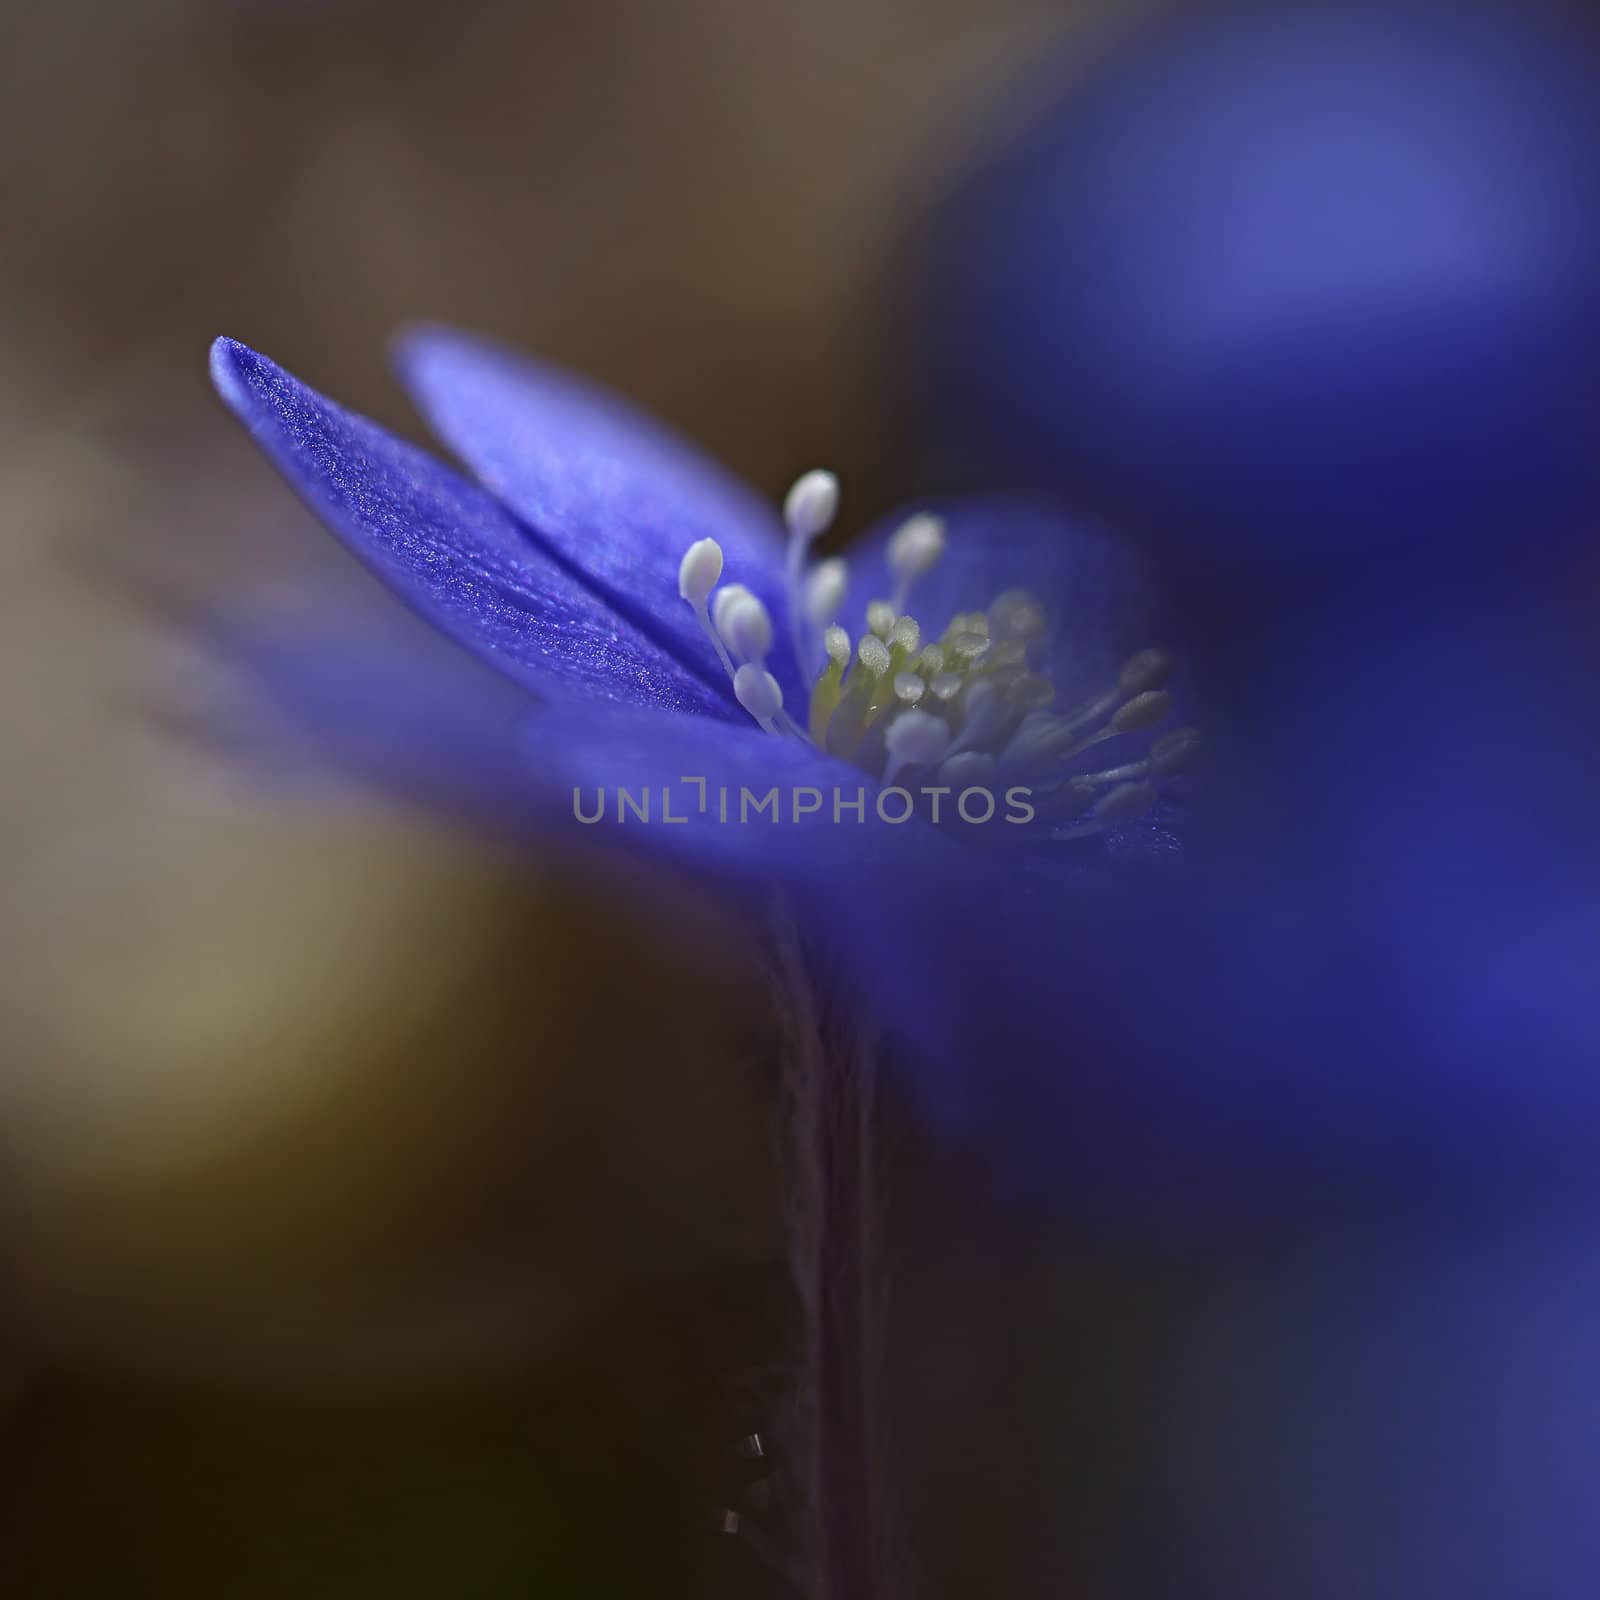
984,714
1143,711
908,687
825,590
811,505
873,654
1017,615
968,767
1032,692
837,643
758,692
881,618
914,739
746,628
697,577
1147,670
946,685
914,550
1008,653
906,634
808,513
699,570
1174,750
725,597
1037,740
970,644
724,600
931,662
1125,803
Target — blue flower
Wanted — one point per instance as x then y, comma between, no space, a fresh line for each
995,649
1340,990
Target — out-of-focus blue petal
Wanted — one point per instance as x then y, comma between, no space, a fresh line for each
451,549
1225,1045
347,698
1276,277
703,783
1099,596
612,490
371,702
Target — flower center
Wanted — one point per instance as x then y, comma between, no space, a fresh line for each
966,710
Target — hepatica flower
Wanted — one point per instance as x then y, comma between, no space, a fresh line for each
966,703
967,671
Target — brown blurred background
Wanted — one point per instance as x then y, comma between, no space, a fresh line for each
357,1241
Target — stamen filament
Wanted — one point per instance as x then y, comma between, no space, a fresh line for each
808,513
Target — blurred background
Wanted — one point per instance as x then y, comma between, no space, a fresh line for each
353,1238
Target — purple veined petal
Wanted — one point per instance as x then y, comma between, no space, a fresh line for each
1096,591
451,549
613,491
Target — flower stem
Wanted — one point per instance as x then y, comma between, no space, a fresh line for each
833,1218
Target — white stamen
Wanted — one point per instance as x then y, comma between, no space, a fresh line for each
1174,750
758,692
967,767
825,591
697,577
873,654
808,513
1032,692
983,716
1125,803
811,505
1037,740
746,628
881,618
914,739
1017,615
1147,670
989,703
789,725
723,600
914,551
699,570
1143,711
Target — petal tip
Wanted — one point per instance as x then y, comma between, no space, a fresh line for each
414,346
232,367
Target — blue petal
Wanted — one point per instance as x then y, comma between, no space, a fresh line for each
1355,299
1101,603
450,548
361,700
1220,1046
342,696
613,491
702,782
